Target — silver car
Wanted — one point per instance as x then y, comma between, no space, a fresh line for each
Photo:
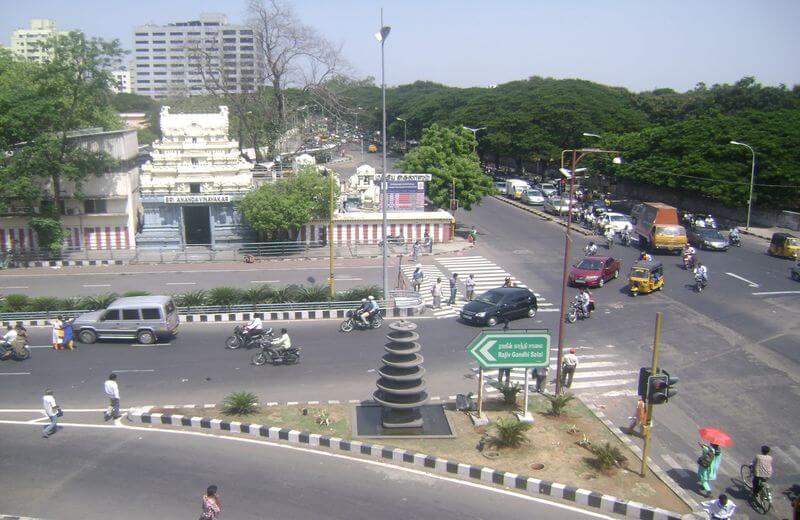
533,197
143,318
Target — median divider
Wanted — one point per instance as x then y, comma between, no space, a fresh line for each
520,483
543,215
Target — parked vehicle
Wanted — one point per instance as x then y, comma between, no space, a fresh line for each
276,356
594,271
707,238
657,227
500,304
240,338
784,244
646,277
533,197
143,318
515,188
548,188
354,322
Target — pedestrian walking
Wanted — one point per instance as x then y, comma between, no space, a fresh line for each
540,376
504,373
427,241
704,463
416,278
720,509
52,411
69,334
436,292
469,283
415,251
639,418
112,391
58,333
712,475
453,289
569,364
211,504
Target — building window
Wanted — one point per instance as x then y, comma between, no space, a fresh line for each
142,34
195,162
158,34
246,40
228,31
194,187
94,206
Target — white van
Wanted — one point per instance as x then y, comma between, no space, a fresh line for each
516,187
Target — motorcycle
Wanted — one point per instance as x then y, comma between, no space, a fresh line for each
590,250
688,262
6,352
279,356
374,321
240,338
625,239
609,241
735,240
700,282
576,311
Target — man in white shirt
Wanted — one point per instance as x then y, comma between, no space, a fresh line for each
570,363
720,509
254,327
51,411
112,391
11,335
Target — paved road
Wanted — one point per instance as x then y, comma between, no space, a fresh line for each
100,472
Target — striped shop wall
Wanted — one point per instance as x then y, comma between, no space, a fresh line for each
99,237
345,233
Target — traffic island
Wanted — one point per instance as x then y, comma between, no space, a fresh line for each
555,458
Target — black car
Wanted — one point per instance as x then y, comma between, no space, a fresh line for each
499,305
707,238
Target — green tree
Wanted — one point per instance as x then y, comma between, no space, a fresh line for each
446,153
278,210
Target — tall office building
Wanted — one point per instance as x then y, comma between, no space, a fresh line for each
172,59
26,43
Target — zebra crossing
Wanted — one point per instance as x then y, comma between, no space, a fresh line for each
488,275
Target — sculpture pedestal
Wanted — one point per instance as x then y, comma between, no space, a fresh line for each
368,421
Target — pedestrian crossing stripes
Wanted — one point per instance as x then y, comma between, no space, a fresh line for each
488,275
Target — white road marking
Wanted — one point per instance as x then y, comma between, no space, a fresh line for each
133,370
596,384
40,346
774,292
15,373
264,281
348,279
39,410
317,452
15,287
98,285
181,283
752,284
784,457
151,344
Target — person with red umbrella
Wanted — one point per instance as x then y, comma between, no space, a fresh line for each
710,456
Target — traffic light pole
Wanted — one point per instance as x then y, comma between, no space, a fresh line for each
649,419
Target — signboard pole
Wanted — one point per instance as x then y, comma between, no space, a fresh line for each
526,416
480,419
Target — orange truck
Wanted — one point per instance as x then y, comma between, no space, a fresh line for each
658,227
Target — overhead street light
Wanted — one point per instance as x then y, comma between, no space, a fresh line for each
752,178
381,37
474,134
405,135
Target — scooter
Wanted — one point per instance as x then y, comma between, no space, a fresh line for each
374,321
240,338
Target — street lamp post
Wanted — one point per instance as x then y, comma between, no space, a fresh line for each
474,135
752,178
381,36
360,136
569,174
405,135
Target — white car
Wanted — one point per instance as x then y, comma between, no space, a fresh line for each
617,221
548,189
533,197
559,207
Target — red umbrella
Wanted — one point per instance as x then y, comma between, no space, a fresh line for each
715,436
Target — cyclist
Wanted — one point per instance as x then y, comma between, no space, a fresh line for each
762,469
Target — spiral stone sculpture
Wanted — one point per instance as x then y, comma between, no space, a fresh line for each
401,389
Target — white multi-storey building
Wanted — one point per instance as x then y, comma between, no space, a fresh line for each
27,43
190,188
168,58
122,81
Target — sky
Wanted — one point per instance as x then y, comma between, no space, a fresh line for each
637,44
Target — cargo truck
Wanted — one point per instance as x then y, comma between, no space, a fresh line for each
658,227
515,188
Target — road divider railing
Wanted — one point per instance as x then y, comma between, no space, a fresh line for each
546,216
400,304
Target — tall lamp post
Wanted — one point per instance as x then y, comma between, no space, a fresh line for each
405,135
474,135
360,136
381,36
752,178
569,174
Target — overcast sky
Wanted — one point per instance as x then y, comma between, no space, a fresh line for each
638,44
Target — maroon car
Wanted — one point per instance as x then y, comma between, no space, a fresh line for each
594,271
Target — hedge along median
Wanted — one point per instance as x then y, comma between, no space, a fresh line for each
558,443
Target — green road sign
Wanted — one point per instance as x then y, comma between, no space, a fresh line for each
517,348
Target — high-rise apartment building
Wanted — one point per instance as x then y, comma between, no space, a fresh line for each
172,59
27,43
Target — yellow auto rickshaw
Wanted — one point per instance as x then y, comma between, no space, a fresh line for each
784,244
645,277
372,148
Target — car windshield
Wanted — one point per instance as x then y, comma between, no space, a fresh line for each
638,272
711,234
590,265
534,193
617,218
792,242
490,297
548,187
669,231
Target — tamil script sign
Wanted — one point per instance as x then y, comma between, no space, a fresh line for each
523,348
196,199
422,177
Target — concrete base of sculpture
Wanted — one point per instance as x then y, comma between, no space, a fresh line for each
368,421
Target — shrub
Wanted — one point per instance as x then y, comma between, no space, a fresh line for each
191,299
558,403
240,403
99,301
257,295
509,433
225,296
16,302
356,293
315,293
72,303
45,303
288,294
135,293
509,392
608,456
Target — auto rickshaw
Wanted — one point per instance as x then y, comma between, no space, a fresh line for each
784,244
645,277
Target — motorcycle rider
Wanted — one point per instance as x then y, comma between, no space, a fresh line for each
625,236
585,300
363,311
688,254
590,249
645,257
702,272
253,328
373,308
733,235
283,342
10,335
609,234
17,345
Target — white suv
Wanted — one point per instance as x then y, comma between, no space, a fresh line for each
617,221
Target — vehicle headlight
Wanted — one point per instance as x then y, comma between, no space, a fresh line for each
480,314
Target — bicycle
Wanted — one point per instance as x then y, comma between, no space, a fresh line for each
762,502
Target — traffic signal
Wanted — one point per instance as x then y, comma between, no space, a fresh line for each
644,375
661,388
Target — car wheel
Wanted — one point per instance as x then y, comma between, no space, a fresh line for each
531,312
491,321
795,276
146,337
602,282
616,274
87,336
